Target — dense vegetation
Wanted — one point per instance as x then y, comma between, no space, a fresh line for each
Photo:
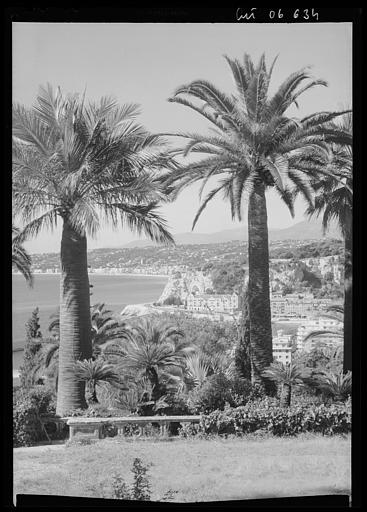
269,418
173,364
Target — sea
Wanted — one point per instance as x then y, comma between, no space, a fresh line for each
115,291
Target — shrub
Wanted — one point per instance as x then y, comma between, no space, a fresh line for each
212,395
177,404
44,398
139,490
28,405
243,392
25,422
267,416
218,390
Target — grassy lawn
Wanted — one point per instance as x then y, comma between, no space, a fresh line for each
200,470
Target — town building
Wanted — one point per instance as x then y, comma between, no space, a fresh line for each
296,306
212,302
282,347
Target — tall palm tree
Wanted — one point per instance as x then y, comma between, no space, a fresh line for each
334,200
287,375
20,258
82,163
154,350
254,146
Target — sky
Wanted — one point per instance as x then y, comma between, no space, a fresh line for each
145,62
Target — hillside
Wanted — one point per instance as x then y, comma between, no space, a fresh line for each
305,230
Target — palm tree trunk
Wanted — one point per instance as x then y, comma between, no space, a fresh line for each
285,397
348,296
154,380
258,287
75,327
93,393
242,352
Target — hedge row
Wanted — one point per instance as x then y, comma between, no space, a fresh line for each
269,418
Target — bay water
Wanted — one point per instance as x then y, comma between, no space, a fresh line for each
115,291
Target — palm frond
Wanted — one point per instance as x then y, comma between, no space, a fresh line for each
323,333
240,78
206,201
20,258
209,93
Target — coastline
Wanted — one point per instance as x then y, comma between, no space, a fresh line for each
133,291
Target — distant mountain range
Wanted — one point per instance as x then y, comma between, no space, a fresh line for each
305,230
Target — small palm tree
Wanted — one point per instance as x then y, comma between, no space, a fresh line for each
95,372
254,146
80,164
20,258
138,393
286,375
334,384
197,369
154,350
199,366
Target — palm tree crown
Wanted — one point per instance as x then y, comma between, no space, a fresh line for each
335,384
290,373
287,375
252,139
95,372
334,198
85,162
154,349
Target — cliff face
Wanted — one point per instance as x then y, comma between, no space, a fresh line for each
179,286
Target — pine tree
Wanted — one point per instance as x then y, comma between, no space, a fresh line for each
32,353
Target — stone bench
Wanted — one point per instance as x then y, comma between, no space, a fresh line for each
56,420
95,425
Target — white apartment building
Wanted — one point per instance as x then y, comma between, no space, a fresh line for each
318,324
296,306
282,347
212,302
